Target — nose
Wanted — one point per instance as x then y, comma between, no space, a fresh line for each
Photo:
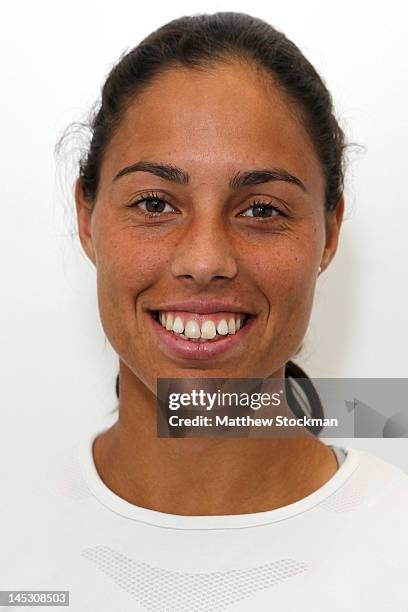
204,253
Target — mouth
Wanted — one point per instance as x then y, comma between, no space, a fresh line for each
194,327
191,335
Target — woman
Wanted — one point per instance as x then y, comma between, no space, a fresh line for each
210,199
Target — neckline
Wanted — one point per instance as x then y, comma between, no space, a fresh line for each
120,506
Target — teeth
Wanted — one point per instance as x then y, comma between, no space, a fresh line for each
192,329
222,328
178,325
208,330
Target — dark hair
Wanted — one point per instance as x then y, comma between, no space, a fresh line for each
197,42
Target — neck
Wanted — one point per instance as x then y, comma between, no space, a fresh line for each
203,476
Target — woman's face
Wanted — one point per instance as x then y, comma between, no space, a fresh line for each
210,252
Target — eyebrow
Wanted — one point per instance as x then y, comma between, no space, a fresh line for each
171,173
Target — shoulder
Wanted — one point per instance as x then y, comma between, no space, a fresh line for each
34,504
39,518
372,482
372,505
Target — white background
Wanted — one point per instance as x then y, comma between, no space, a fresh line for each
57,369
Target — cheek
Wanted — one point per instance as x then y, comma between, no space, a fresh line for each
127,263
285,272
127,266
286,266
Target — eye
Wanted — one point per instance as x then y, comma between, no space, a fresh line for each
152,205
262,210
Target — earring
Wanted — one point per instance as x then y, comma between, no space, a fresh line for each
320,269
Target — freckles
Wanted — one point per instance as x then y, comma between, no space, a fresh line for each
141,267
126,255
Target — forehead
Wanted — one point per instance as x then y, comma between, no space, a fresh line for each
214,120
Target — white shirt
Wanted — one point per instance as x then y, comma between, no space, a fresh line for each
342,548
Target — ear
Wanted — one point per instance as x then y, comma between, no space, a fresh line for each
84,217
334,220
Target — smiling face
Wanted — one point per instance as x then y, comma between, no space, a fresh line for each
241,221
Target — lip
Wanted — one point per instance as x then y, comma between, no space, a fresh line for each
185,349
202,307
